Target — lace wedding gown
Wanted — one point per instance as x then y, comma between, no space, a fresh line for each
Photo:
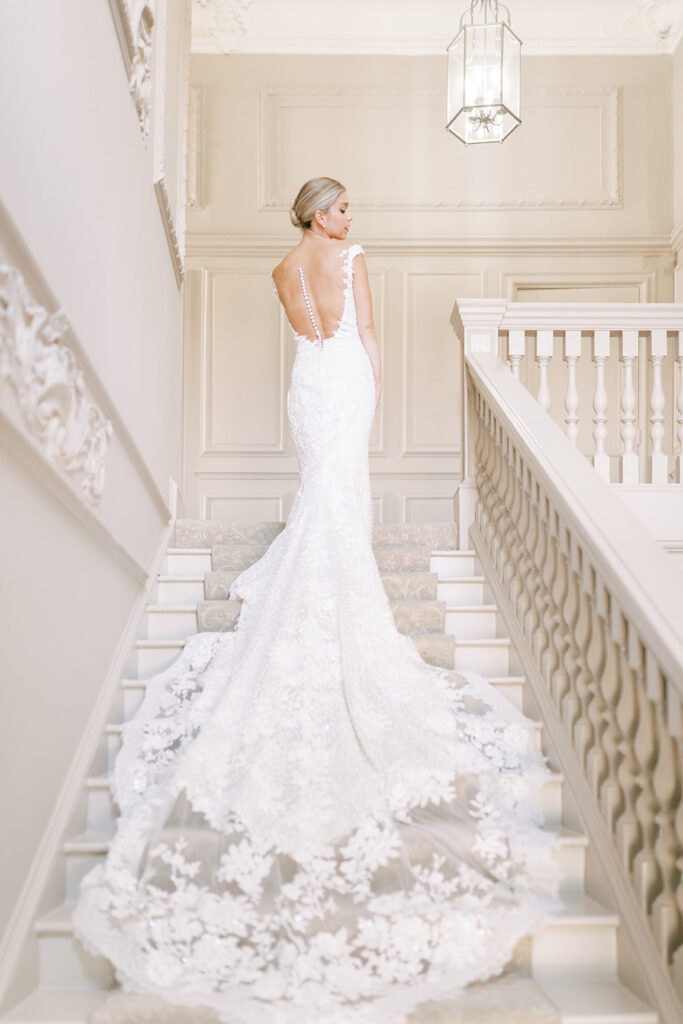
317,826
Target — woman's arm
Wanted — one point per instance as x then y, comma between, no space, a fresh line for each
366,325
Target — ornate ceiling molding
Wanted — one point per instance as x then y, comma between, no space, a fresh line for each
219,26
49,385
404,27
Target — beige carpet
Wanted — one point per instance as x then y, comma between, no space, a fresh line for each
511,999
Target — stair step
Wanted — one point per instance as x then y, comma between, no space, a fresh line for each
419,585
84,852
169,622
63,963
476,622
464,590
178,590
218,616
603,1002
187,562
580,942
151,656
454,564
435,648
102,813
204,533
199,533
597,1002
236,556
488,657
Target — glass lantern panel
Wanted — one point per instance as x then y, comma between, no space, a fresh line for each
511,71
484,124
483,65
456,77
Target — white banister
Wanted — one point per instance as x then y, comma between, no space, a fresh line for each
658,460
601,345
629,459
572,351
593,606
544,352
611,335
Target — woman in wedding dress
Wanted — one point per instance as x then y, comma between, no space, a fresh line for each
316,825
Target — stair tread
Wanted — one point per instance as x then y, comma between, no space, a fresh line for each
579,909
161,578
159,643
171,607
471,608
494,641
578,1002
98,842
601,1002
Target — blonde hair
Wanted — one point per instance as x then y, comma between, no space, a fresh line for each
316,194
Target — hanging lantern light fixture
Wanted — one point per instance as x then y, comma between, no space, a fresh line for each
484,75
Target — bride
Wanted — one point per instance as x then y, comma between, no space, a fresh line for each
315,824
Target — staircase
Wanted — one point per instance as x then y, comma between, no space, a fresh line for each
440,597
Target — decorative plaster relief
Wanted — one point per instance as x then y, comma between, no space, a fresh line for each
133,20
49,385
219,26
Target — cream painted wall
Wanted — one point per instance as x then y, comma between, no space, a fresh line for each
81,223
678,166
576,204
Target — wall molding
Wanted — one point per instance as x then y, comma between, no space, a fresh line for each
510,282
49,385
39,287
195,148
170,229
16,941
272,99
203,246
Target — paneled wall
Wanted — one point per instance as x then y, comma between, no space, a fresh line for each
678,167
576,204
91,189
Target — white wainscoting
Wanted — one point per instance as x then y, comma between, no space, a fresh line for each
239,459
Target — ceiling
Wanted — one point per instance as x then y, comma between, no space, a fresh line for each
427,26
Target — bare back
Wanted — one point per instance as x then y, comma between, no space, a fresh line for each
310,283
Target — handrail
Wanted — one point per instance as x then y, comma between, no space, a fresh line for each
630,560
594,607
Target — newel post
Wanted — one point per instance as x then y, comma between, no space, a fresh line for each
476,323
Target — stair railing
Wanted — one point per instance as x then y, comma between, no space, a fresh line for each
594,608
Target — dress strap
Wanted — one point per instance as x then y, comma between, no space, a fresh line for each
309,307
354,250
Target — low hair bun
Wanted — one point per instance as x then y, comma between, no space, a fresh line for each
315,194
294,218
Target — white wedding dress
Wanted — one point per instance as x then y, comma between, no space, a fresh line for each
317,826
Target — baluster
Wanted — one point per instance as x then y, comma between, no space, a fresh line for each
598,658
548,655
678,956
666,920
600,355
679,409
612,801
538,638
544,351
658,460
558,681
516,350
571,705
629,457
628,831
572,351
583,727
645,869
